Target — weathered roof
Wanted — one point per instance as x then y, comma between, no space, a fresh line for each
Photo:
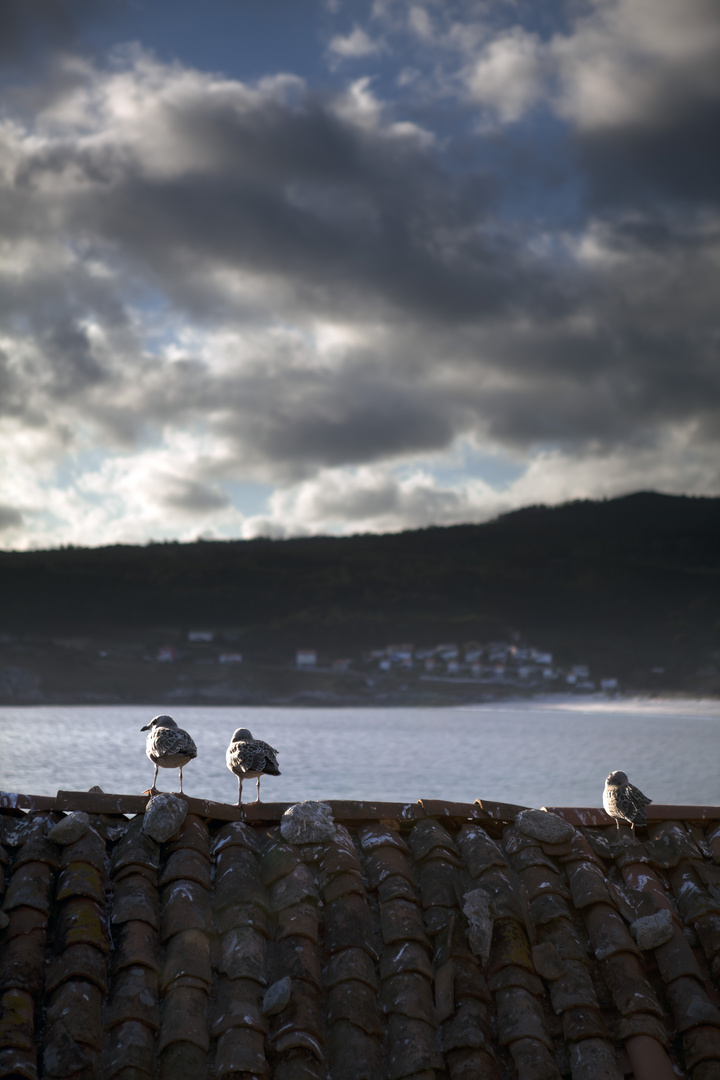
427,941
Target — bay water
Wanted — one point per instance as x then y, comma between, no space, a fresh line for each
535,753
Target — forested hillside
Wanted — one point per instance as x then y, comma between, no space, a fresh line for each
633,581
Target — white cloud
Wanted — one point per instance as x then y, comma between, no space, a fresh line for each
632,61
354,45
507,75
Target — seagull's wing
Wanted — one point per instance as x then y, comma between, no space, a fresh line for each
636,797
267,749
245,757
174,741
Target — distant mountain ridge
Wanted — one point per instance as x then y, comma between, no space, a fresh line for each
632,580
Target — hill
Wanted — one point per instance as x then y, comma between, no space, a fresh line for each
628,584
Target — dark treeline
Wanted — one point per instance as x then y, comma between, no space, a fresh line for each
632,580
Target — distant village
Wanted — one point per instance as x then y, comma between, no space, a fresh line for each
496,663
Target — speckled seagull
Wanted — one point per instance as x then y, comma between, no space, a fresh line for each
624,802
169,746
248,758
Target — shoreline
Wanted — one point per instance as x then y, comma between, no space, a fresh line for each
325,700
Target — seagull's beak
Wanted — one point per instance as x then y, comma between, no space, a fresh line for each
146,728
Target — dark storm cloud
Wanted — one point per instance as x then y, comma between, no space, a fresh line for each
602,337
673,158
27,30
10,518
191,496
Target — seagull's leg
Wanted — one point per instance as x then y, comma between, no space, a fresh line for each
257,797
239,802
617,824
181,790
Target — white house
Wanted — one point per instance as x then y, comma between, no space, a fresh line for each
230,658
399,653
198,636
541,657
306,658
448,652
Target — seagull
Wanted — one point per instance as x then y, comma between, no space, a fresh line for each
623,801
248,757
169,746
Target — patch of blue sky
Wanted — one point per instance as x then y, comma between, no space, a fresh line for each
466,463
249,499
157,321
547,187
242,39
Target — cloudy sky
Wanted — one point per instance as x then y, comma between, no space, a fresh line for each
275,267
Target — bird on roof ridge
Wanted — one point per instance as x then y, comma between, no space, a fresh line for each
247,758
168,746
623,801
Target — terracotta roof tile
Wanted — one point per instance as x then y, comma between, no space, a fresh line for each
401,921
134,942
412,1047
707,928
81,879
36,848
17,1020
397,886
241,863
187,954
182,1061
184,1018
608,932
78,1004
533,1060
184,905
242,954
90,849
80,921
252,915
15,1062
353,1054
299,957
302,919
133,996
381,834
22,959
241,1050
81,962
292,888
348,925
369,938
135,849
189,864
300,1025
134,897
238,1004
129,1049
30,886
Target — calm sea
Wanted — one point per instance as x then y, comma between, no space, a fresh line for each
554,752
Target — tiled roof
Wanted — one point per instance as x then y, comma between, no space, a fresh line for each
430,941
